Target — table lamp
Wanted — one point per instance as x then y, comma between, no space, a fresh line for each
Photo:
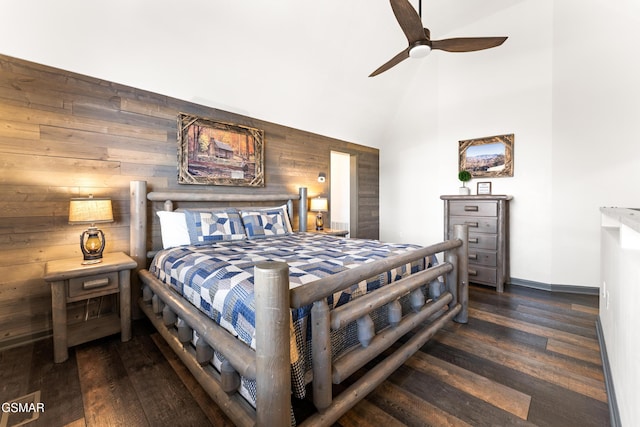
91,210
319,205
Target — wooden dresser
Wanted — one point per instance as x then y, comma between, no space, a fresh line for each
488,220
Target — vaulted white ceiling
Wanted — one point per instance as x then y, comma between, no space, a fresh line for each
299,63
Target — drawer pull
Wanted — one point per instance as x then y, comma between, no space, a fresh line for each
472,272
471,208
472,224
98,283
473,256
473,240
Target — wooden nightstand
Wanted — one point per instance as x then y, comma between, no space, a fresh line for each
84,300
341,233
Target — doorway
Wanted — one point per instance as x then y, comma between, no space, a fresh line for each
343,192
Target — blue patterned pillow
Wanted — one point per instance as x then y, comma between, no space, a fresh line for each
212,226
260,223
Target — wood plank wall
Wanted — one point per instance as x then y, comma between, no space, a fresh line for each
65,135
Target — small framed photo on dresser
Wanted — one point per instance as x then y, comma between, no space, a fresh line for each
484,188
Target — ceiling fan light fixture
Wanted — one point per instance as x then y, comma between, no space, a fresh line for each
419,51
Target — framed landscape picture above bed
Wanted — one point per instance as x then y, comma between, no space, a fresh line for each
488,157
217,153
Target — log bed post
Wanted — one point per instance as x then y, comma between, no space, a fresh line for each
273,317
302,209
137,238
461,232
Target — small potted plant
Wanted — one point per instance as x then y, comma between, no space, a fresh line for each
464,176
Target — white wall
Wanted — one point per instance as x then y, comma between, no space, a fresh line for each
596,126
565,83
469,95
619,314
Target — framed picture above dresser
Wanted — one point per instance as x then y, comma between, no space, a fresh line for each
488,219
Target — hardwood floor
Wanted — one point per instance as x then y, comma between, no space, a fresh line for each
525,358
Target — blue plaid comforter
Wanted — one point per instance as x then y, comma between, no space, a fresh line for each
218,279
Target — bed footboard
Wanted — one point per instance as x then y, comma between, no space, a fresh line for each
269,364
450,305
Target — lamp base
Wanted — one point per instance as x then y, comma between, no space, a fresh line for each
319,222
93,246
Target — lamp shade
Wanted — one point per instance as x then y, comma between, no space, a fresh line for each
319,204
90,210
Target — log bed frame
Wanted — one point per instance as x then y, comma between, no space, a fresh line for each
175,319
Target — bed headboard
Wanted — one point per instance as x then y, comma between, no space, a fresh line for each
139,215
139,229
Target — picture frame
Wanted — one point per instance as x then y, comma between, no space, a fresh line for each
218,153
483,188
487,157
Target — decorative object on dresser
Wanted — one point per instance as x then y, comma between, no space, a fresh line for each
488,157
464,176
83,305
319,205
217,153
484,188
488,219
91,210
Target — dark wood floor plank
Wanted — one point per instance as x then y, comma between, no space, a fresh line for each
585,321
574,351
577,308
552,298
412,410
48,377
108,394
14,378
584,331
448,398
539,365
165,399
504,332
366,414
533,328
494,393
206,404
545,409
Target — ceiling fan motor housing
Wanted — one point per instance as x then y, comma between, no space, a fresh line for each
420,49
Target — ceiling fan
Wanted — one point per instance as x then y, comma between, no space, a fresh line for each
420,43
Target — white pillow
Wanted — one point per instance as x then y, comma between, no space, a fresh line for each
173,227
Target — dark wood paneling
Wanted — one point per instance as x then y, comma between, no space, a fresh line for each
65,135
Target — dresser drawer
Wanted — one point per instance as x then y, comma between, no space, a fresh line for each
487,259
483,241
483,275
473,208
95,285
476,224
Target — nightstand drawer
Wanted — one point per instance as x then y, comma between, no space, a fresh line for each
95,285
473,208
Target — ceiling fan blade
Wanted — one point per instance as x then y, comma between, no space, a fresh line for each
409,20
392,62
467,44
